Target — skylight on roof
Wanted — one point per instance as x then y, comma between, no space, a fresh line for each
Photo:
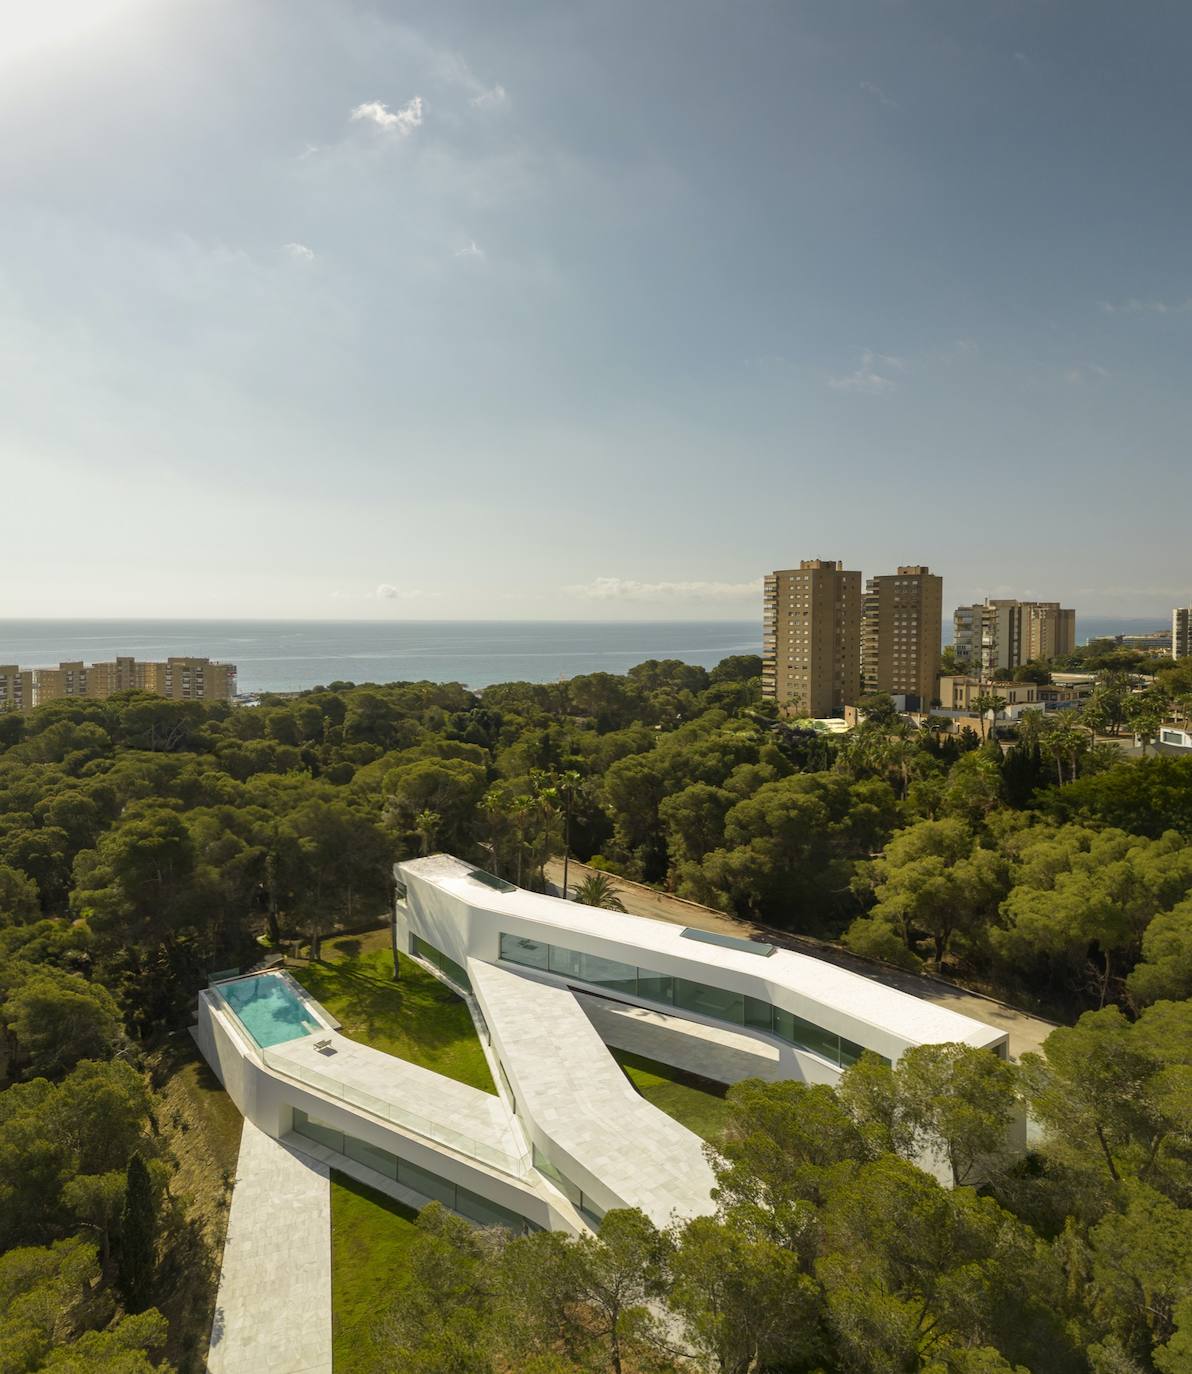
491,880
710,937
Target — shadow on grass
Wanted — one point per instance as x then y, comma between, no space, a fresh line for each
424,1011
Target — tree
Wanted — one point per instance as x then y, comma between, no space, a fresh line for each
950,1103
932,878
426,824
1141,1260
1094,1092
744,1300
919,1277
598,890
619,1273
58,1018
98,1202
1165,971
138,1236
988,703
18,897
959,1102
1064,743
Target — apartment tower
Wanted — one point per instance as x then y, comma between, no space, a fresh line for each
901,630
811,638
1006,634
16,688
1181,632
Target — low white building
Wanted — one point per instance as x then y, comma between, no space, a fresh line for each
551,985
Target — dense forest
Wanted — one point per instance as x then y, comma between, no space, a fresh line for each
145,843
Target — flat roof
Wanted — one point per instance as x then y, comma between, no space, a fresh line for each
575,1093
884,1008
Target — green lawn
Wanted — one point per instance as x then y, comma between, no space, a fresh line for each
416,1018
694,1102
371,1236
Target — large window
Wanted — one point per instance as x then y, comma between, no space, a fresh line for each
518,950
592,1212
456,972
721,1004
430,1185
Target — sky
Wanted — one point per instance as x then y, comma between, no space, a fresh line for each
590,310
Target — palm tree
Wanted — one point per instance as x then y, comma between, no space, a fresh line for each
426,826
1063,743
597,890
991,702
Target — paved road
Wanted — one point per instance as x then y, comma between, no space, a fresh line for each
1026,1032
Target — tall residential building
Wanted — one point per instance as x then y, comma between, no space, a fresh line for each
811,638
901,632
1048,630
16,688
181,679
1006,634
1181,632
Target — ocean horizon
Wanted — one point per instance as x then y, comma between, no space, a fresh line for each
292,655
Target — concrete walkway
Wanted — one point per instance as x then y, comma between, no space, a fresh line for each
273,1313
1026,1032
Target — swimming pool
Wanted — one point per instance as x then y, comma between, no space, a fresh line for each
269,1009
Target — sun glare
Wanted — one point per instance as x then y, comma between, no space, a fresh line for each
29,28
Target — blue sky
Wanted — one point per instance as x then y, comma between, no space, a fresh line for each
590,310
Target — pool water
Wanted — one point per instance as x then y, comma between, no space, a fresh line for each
269,1009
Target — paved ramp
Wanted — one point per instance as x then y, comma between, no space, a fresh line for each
273,1313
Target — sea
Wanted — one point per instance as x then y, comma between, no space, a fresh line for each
290,655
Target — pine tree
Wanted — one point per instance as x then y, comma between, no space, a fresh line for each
138,1228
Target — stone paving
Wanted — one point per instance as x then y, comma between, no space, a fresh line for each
273,1313
574,1093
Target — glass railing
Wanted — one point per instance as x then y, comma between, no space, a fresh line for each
398,1114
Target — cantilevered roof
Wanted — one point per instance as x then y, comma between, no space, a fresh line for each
814,981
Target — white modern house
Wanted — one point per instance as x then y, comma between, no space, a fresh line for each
551,986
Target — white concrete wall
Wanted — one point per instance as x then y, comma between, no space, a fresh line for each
268,1099
458,928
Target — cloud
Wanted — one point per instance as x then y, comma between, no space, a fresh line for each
879,95
299,252
470,250
1079,373
1139,307
627,589
387,592
867,378
494,98
401,122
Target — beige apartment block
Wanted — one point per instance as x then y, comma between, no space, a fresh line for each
959,692
811,638
66,680
1048,630
1181,632
16,688
1006,633
181,679
192,679
901,632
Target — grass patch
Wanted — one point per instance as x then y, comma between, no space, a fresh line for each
201,1126
371,1235
416,1017
694,1102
